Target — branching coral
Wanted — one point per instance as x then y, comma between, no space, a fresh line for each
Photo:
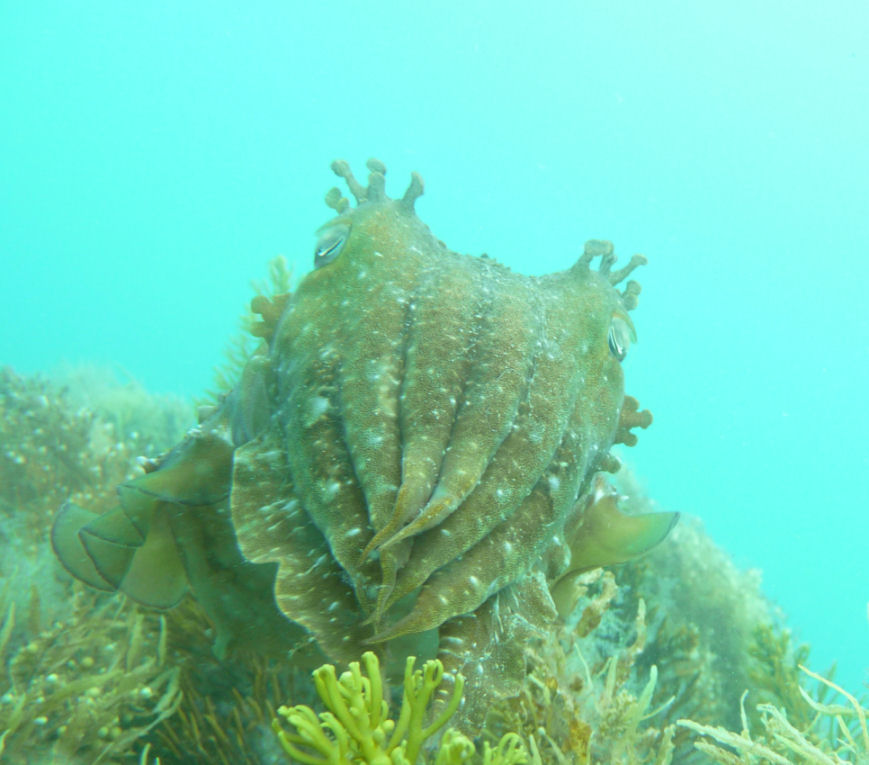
356,725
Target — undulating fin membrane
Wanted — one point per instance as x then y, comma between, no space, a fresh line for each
132,548
237,595
107,552
68,546
606,535
603,536
196,472
150,573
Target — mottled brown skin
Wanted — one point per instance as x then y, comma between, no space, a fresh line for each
418,432
438,412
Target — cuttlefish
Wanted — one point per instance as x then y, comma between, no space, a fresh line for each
418,431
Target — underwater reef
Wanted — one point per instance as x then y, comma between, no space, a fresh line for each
387,539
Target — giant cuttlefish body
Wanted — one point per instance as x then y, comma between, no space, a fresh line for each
419,431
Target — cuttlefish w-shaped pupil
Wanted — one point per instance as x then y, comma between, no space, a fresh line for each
619,337
329,245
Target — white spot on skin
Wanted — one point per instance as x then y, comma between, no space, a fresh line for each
554,483
452,639
317,407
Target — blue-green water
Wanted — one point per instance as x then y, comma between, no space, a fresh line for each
154,157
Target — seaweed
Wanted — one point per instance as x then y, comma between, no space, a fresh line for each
85,689
356,726
835,734
256,323
636,669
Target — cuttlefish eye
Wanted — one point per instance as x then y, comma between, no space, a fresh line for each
330,242
621,334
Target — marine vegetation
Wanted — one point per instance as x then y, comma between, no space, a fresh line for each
836,734
356,726
419,432
581,685
82,677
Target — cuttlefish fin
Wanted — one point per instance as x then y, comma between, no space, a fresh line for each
118,528
150,572
196,472
109,553
132,548
606,535
156,575
68,546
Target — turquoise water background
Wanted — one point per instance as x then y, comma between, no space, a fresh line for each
154,156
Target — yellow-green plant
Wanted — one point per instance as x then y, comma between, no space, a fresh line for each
357,728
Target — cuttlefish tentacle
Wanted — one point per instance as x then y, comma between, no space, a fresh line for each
510,548
372,367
